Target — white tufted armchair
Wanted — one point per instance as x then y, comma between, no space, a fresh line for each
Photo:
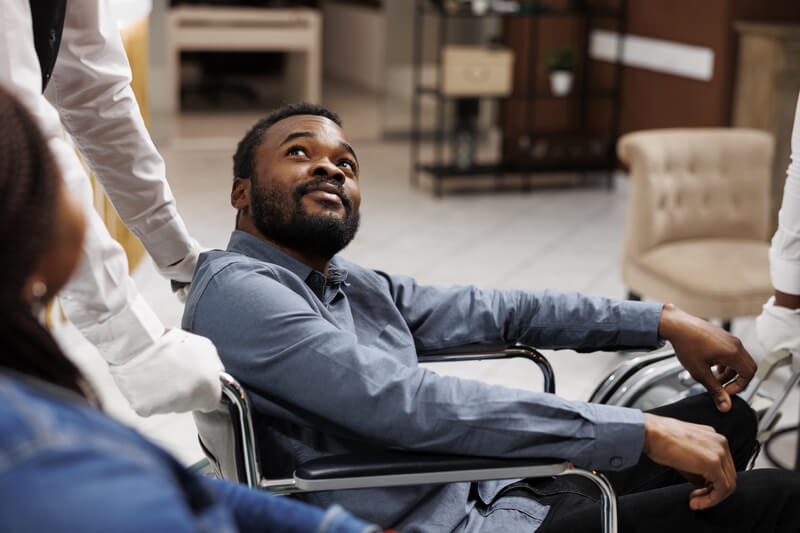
698,219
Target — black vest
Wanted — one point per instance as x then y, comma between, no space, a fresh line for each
48,25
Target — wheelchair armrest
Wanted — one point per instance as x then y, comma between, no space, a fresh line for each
480,352
394,468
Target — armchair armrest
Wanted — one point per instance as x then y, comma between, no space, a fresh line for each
479,352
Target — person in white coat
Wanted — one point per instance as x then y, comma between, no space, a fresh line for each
778,326
65,61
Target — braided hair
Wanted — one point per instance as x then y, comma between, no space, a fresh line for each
29,192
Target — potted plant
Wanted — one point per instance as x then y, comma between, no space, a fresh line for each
560,64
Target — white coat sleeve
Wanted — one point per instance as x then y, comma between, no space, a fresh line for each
101,298
784,253
90,88
779,327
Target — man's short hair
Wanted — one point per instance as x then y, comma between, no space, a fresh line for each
244,160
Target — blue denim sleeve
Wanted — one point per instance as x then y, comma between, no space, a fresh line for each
296,363
256,511
80,488
441,317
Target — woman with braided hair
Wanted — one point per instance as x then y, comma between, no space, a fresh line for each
40,228
64,465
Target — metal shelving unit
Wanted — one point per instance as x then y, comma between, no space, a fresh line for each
597,149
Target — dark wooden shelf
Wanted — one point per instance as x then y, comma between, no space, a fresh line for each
466,12
545,95
525,149
492,169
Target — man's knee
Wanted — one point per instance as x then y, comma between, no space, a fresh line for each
745,417
700,409
739,424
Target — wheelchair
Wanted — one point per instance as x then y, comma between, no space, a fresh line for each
228,440
657,378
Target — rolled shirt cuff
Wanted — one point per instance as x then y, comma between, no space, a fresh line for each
641,325
619,439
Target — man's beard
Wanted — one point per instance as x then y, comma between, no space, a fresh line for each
285,221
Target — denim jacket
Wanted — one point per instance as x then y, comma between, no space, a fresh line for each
65,466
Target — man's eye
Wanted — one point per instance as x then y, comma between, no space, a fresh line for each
296,150
347,163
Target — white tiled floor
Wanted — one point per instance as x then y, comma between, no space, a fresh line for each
568,239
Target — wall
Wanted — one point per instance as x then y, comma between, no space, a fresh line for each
354,43
656,100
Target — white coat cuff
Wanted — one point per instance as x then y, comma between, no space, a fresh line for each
169,244
785,274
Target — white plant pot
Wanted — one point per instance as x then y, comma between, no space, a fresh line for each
560,82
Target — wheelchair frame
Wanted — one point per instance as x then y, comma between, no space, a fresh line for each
395,468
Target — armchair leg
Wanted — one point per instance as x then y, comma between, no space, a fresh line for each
633,296
608,498
726,325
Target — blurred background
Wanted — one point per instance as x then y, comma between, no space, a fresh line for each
486,132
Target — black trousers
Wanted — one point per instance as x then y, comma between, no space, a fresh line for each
653,498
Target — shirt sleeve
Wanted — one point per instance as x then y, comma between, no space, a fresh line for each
784,253
100,299
442,317
90,88
296,358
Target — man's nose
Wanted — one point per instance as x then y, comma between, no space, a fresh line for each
324,167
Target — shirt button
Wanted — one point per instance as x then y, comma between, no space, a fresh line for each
52,36
616,462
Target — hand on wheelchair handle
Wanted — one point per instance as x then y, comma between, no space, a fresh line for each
699,346
179,373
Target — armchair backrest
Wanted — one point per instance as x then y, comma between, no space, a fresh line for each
696,183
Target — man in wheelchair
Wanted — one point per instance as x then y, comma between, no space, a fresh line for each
328,351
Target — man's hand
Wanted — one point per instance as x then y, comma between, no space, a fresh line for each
698,452
699,346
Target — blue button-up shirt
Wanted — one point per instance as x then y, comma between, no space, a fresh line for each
331,363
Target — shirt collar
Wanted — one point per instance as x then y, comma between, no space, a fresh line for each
251,246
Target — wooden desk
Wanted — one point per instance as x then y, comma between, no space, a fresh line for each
297,31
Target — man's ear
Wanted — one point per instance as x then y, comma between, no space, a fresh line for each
240,194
